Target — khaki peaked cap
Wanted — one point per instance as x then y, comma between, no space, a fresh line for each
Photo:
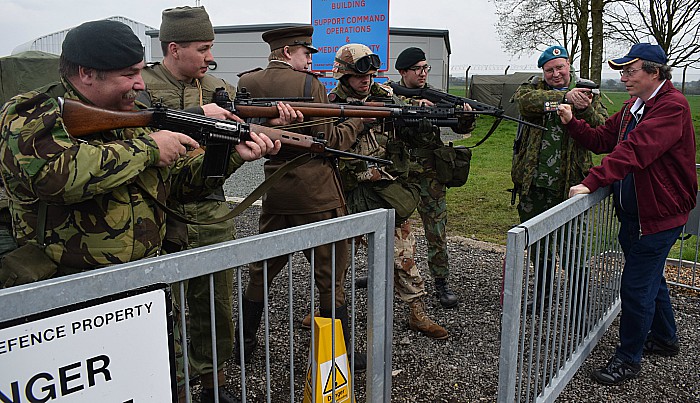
281,37
185,24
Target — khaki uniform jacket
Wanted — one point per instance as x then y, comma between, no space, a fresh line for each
313,187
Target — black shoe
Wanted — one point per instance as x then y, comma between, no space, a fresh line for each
616,371
448,299
652,345
207,396
361,282
252,314
360,363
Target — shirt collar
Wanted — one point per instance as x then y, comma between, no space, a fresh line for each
638,107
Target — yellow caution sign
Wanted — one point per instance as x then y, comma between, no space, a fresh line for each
330,379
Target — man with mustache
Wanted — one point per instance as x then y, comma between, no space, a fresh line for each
88,202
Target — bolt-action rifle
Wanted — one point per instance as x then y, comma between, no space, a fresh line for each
401,115
219,136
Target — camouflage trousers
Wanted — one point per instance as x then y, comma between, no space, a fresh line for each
433,212
197,296
408,282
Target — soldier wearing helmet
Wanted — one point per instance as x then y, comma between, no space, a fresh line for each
368,187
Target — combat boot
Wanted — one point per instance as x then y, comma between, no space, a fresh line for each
306,322
341,313
420,322
252,313
448,299
208,392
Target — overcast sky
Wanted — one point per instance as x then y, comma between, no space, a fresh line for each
470,22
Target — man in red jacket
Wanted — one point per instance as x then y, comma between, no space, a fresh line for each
651,167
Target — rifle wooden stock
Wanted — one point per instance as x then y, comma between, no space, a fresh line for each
377,110
82,119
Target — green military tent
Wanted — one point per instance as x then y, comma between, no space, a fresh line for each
26,71
498,89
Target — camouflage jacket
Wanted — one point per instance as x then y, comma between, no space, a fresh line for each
98,188
368,186
376,140
550,159
429,139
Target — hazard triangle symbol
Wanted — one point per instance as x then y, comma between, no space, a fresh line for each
340,380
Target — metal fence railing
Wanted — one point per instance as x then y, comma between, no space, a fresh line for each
561,292
377,227
682,265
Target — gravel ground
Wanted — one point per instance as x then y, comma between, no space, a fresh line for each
463,368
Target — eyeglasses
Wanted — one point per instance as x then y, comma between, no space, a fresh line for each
364,64
559,68
628,72
418,69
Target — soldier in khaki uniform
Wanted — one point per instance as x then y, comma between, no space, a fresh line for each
97,190
181,82
413,67
547,163
309,193
369,187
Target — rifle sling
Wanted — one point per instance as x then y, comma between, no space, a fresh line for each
245,203
490,132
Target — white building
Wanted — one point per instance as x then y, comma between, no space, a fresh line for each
240,47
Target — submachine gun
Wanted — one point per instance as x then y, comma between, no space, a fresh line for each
219,136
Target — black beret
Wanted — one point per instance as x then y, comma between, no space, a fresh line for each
102,45
408,58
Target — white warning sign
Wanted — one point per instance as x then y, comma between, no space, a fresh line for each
115,351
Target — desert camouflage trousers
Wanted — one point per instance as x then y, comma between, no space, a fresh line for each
433,212
197,296
408,282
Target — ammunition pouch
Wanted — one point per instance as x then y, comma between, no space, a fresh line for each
452,165
26,264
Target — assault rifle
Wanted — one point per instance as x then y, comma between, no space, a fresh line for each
219,136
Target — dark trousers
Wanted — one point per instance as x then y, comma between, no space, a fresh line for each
646,305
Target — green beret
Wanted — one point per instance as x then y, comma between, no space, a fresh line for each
281,37
102,45
408,58
186,24
552,52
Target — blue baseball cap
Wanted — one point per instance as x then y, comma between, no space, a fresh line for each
644,51
552,52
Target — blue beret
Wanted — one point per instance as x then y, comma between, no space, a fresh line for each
644,51
552,52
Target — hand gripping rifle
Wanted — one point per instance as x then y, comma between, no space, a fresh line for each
401,115
219,136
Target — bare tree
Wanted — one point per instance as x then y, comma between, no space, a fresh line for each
525,26
673,24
